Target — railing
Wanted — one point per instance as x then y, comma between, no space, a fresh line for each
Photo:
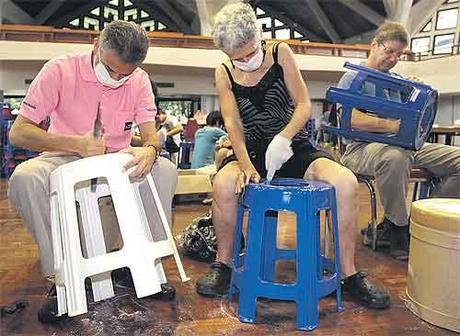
167,39
430,54
178,40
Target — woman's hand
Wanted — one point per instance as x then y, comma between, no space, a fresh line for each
248,174
143,159
278,152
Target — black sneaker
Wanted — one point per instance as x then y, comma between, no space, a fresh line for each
383,234
399,242
364,292
216,282
122,278
48,311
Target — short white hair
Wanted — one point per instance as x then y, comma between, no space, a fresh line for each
235,25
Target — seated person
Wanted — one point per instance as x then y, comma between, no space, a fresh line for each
265,106
223,150
205,140
391,165
109,77
190,129
170,127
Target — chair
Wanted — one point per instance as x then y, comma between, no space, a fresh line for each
253,272
185,154
140,252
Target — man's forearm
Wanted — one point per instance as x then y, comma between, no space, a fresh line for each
34,138
365,122
174,131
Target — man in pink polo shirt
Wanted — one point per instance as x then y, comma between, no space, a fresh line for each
73,91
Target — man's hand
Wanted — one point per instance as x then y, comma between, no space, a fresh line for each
247,175
278,152
394,126
89,146
143,159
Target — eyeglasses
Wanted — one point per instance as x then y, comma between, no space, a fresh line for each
392,52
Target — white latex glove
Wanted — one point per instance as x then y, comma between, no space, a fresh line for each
278,152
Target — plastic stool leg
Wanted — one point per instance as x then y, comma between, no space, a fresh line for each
307,302
335,232
57,252
248,297
146,280
166,227
160,271
269,246
236,258
94,236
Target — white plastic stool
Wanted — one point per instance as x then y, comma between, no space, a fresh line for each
139,252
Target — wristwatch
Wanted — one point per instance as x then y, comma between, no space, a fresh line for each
157,151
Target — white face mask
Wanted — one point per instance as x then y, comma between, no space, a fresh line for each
253,64
103,76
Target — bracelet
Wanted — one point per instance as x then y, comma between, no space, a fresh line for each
157,152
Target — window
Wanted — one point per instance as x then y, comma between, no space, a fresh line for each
441,31
447,18
283,34
420,45
179,107
100,15
277,27
427,27
443,44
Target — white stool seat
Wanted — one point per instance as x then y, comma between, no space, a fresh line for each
69,184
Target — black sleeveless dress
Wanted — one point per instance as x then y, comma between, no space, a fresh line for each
265,110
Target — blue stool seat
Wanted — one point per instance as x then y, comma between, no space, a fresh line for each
413,103
253,272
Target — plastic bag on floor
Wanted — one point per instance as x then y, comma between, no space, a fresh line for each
198,240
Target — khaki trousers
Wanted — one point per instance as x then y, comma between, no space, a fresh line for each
391,168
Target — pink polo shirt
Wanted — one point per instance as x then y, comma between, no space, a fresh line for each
67,91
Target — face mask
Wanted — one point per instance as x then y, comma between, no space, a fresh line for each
103,76
253,64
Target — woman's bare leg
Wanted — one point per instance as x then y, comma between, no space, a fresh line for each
346,188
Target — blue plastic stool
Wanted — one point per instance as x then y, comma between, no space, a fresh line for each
253,271
415,107
185,149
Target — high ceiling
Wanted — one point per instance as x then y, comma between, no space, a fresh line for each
337,21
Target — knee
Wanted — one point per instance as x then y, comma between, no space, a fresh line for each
223,187
346,185
395,160
20,181
165,171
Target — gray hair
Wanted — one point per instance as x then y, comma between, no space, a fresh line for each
127,39
391,31
235,25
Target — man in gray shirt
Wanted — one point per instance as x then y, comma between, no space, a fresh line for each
391,165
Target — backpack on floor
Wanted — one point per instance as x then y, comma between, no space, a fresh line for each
198,240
